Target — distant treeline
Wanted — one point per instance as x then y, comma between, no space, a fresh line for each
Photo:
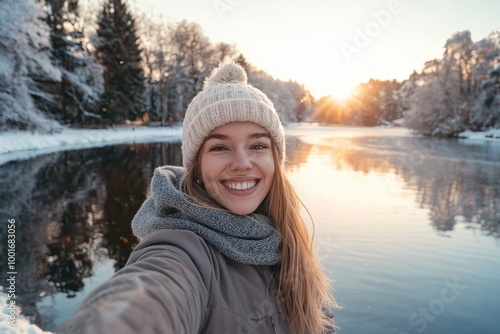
65,64
460,91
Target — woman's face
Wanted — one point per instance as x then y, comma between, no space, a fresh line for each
237,166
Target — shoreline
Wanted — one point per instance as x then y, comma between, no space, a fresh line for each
24,145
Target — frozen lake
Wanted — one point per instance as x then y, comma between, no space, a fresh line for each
407,227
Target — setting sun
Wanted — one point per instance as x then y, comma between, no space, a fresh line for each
326,75
336,81
342,91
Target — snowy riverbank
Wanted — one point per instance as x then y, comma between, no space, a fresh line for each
24,145
21,324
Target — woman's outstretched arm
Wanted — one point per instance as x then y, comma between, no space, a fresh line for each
162,289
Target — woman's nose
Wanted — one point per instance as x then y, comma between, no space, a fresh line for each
241,160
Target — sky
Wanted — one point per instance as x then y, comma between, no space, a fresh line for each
331,46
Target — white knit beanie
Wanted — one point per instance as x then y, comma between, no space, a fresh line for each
227,97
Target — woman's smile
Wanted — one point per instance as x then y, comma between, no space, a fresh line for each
240,185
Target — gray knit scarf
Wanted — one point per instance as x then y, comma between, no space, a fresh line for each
246,239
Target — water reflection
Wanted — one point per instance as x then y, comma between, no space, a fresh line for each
457,181
73,209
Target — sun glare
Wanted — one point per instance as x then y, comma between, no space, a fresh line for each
342,92
336,87
334,80
322,70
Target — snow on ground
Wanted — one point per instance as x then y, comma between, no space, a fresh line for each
24,145
21,325
489,134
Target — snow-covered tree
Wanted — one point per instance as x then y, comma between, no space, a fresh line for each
485,112
118,49
459,91
155,53
191,56
81,86
24,57
458,58
304,110
434,105
177,59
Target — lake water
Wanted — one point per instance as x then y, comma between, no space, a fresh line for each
406,227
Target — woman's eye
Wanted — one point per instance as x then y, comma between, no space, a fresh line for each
259,146
217,148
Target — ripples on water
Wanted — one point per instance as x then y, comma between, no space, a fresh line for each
407,227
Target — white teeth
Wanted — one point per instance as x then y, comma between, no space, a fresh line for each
240,185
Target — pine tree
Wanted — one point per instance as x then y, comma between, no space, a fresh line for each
82,84
119,51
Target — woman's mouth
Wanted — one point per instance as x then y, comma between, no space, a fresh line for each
245,185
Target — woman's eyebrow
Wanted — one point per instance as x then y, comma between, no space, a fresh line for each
221,136
216,136
259,135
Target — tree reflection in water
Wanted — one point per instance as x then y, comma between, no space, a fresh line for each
72,209
457,181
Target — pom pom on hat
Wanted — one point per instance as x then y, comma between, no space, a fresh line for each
226,73
228,97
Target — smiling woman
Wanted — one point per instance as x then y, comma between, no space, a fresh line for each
223,246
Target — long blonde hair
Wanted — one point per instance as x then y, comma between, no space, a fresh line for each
302,286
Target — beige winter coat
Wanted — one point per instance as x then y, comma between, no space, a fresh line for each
175,282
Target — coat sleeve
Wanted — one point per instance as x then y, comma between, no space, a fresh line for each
162,289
